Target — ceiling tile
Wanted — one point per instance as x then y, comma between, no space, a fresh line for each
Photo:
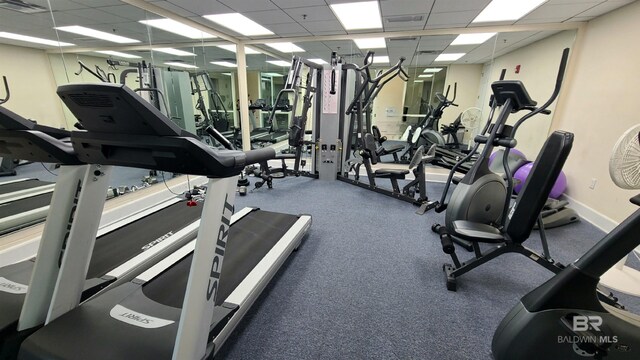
563,11
98,16
603,8
128,12
405,7
313,13
451,18
459,5
288,28
269,17
99,3
250,5
59,4
288,4
173,8
318,26
207,7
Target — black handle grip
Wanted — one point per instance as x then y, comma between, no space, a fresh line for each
333,82
259,155
510,143
219,137
446,241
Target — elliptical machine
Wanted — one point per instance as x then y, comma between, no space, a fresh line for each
426,131
483,196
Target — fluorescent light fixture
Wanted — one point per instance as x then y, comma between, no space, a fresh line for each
472,39
425,75
173,51
279,62
228,74
119,54
382,59
85,31
239,23
224,63
179,28
232,48
431,70
180,64
370,43
318,61
450,57
418,81
31,39
507,10
358,15
272,74
285,47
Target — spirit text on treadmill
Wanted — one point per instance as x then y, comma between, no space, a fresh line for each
72,214
221,244
12,287
157,241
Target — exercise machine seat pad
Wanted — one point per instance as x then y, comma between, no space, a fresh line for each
391,173
478,232
392,148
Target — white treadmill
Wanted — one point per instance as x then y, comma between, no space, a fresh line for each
185,306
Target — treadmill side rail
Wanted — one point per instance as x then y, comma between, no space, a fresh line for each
67,191
204,276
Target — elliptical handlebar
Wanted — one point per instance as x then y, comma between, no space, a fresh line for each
556,91
6,88
371,92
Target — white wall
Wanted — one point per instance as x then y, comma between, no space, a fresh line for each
32,85
538,68
598,104
468,79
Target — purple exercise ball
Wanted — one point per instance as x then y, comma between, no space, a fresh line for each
523,172
512,152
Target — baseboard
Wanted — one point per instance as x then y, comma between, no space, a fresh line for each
598,220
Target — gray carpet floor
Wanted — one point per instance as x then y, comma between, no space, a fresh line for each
367,283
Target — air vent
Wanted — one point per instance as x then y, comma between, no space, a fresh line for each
91,100
406,38
404,18
21,6
428,52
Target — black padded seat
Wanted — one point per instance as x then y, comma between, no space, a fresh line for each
474,231
391,173
392,148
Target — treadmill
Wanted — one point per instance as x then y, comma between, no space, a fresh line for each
186,306
124,248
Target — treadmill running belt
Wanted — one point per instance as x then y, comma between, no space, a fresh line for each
250,238
120,245
22,185
23,205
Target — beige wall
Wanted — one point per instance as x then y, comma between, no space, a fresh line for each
539,65
32,85
598,104
390,97
468,79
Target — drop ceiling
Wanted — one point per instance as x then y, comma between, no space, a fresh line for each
292,19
